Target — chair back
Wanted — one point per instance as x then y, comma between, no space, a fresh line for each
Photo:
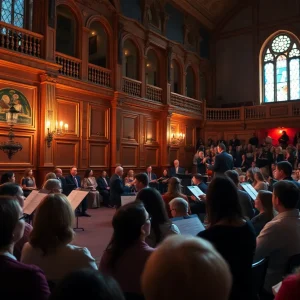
259,270
293,262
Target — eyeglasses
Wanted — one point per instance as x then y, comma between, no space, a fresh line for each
22,218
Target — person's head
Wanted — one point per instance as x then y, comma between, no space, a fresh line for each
176,163
165,172
141,181
263,203
253,164
97,287
250,175
222,201
13,190
283,169
58,172
52,185
258,176
53,223
179,207
73,171
7,177
278,150
28,172
285,195
283,132
156,208
174,186
131,223
12,222
88,173
50,175
177,255
196,179
130,173
149,169
234,176
119,171
201,154
221,147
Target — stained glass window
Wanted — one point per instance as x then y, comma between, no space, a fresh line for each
281,69
12,12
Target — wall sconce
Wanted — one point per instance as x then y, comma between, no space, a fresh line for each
126,52
58,131
150,140
177,138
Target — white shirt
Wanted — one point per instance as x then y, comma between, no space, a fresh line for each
56,266
279,240
176,169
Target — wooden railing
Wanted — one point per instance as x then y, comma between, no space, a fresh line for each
99,75
186,103
20,40
224,114
154,93
70,65
255,112
131,87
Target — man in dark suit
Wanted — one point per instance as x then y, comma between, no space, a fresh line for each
235,142
198,207
176,169
116,187
223,161
59,175
103,187
152,178
73,181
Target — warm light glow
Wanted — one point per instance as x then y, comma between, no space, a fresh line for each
148,65
66,127
56,125
48,125
280,131
126,52
61,123
93,32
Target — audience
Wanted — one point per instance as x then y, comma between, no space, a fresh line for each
103,188
280,238
15,191
52,186
125,256
186,268
141,181
50,175
231,234
179,207
8,177
17,281
284,171
49,244
116,188
161,226
263,203
259,183
89,182
28,182
59,176
87,284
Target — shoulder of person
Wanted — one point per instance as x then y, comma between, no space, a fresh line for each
79,250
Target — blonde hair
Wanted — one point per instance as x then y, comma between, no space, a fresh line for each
52,185
53,223
50,175
193,264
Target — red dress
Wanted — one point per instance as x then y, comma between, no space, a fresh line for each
290,288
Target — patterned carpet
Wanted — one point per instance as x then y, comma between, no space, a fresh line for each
97,231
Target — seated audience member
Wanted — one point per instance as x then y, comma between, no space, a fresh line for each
163,182
197,180
152,178
15,191
28,182
129,181
284,171
174,191
259,183
290,288
161,226
7,177
103,187
201,163
231,234
89,182
52,186
141,181
244,198
125,256
280,238
188,268
59,176
49,244
17,281
96,287
116,188
198,207
263,203
250,175
49,175
179,207
176,169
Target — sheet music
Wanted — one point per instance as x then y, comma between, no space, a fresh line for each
196,191
33,200
189,226
76,197
249,189
127,199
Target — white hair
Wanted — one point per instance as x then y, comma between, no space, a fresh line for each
179,204
53,185
118,169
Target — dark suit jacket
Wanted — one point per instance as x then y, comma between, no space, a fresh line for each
71,184
102,184
172,171
153,176
64,186
246,204
203,187
116,190
223,163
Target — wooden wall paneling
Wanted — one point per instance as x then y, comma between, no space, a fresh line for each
130,127
98,155
189,136
66,153
174,154
83,155
129,156
141,141
151,156
99,122
151,130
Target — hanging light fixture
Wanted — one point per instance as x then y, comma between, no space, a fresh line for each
11,147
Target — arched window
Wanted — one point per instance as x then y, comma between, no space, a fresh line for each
281,69
66,28
153,15
98,45
190,82
130,60
175,77
152,68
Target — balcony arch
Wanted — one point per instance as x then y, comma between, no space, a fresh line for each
176,76
152,68
190,82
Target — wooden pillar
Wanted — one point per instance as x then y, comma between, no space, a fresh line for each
165,127
143,75
85,53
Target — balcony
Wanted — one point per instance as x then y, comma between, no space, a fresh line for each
131,87
20,40
99,75
154,93
71,66
186,103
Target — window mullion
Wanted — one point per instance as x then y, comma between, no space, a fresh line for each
275,80
288,78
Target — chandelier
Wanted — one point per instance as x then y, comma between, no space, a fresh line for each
58,131
11,147
177,138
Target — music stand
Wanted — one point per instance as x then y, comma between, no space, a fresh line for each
249,189
75,198
186,180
